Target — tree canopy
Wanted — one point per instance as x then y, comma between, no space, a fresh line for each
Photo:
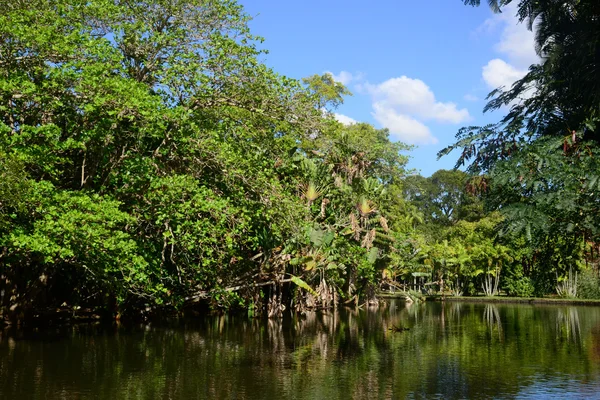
149,158
539,162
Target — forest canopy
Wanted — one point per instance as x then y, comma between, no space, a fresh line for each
149,158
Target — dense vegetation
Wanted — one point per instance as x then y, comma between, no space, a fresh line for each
539,164
149,159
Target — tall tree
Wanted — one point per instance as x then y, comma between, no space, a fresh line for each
539,163
443,198
145,138
148,156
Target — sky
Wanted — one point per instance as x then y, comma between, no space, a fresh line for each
421,68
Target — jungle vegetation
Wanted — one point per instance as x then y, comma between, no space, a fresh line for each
150,160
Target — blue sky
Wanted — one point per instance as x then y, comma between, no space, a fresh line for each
419,68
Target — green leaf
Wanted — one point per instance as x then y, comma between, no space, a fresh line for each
300,283
373,254
316,236
310,265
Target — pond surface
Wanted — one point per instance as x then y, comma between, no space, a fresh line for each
452,350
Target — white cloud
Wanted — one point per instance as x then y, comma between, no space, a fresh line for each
344,119
401,126
413,97
516,46
345,77
402,104
497,73
517,42
448,112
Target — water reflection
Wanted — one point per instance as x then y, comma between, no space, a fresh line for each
491,316
447,350
567,324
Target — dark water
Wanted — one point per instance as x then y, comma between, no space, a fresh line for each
452,350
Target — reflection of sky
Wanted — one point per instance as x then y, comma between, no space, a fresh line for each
560,387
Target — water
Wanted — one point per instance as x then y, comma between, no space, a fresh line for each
452,350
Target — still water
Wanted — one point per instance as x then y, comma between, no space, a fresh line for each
451,350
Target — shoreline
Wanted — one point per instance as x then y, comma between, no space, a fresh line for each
67,316
501,299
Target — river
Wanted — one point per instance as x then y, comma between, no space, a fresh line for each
445,350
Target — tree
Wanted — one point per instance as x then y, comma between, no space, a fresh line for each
539,162
140,145
149,158
350,174
328,92
443,197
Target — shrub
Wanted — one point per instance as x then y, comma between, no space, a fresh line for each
588,285
519,285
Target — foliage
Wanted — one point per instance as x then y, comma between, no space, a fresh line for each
443,197
588,285
538,164
150,158
517,284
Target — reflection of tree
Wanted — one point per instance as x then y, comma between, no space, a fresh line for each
567,324
454,311
491,316
275,334
346,353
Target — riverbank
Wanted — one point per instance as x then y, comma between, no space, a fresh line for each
528,300
501,299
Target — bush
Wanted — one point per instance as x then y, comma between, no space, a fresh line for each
588,285
519,285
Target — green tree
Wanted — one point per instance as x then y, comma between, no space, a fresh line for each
539,163
443,198
149,157
328,92
143,145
